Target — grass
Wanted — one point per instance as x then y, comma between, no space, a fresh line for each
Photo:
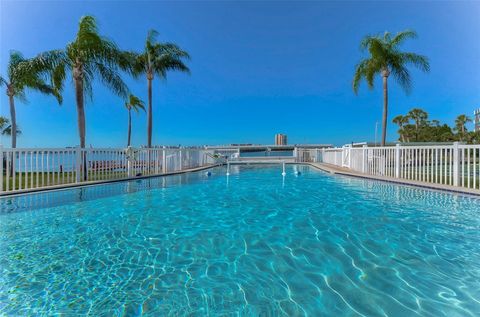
28,180
429,175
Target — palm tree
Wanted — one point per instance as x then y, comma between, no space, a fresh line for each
136,104
420,118
385,58
88,56
24,73
157,59
401,121
6,127
460,123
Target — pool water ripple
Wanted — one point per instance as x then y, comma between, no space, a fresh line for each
250,244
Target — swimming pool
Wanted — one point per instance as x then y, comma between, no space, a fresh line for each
254,243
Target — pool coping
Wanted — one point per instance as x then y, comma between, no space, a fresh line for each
100,182
333,169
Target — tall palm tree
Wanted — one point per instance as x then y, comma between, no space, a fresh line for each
156,59
90,55
385,58
401,121
136,104
25,73
460,123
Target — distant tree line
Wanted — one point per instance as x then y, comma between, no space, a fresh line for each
415,126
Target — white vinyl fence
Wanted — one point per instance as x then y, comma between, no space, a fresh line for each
23,169
456,164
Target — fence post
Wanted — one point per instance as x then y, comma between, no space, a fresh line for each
78,164
180,158
349,157
364,158
456,164
129,160
1,167
164,161
397,161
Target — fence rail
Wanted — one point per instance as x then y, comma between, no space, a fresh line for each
24,169
455,165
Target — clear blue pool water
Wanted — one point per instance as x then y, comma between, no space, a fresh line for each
252,244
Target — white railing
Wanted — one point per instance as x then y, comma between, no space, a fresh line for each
24,169
307,155
455,164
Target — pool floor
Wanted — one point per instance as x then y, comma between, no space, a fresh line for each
251,244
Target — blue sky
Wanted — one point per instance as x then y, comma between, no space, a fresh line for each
258,68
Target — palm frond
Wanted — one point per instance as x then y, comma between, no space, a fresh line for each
158,58
402,36
401,120
387,37
136,103
385,56
87,83
4,121
360,71
173,49
86,27
8,130
365,43
165,63
151,37
59,75
419,61
111,78
402,75
366,69
15,59
130,62
21,96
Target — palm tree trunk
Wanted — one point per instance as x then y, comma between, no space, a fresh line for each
80,111
13,128
13,119
81,120
129,127
385,75
416,131
149,112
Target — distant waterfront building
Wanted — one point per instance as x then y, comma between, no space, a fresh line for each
280,139
477,120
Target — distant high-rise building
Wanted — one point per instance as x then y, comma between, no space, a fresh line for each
280,139
477,120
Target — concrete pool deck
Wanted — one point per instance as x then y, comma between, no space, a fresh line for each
333,169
